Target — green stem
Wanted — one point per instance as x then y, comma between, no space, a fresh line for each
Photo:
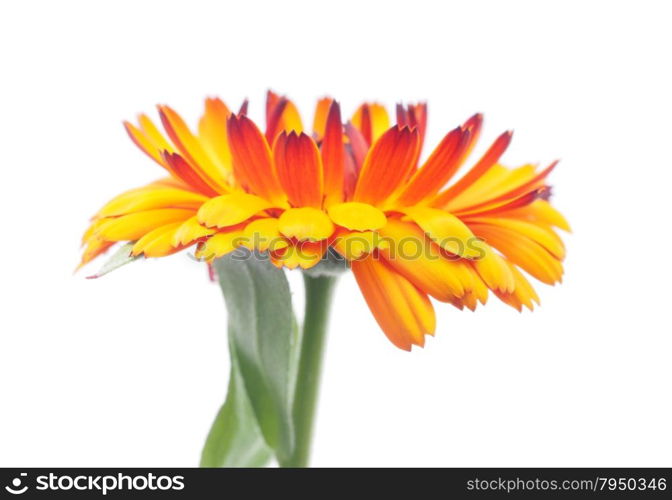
319,291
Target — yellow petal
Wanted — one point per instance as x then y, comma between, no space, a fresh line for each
545,212
357,216
158,242
154,135
494,271
212,135
469,300
189,231
263,235
380,120
478,287
231,209
304,254
192,150
523,293
149,198
305,223
540,211
355,244
523,252
320,118
372,120
94,247
92,230
540,234
420,261
220,244
143,142
449,232
134,226
403,312
497,180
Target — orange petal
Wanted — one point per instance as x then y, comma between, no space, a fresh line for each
358,148
498,180
362,120
149,139
291,119
437,170
494,271
192,151
540,211
320,120
333,156
146,146
523,293
252,160
479,288
402,115
410,253
272,101
543,235
503,207
519,190
299,169
187,173
403,312
387,165
212,134
417,117
523,252
281,115
413,115
372,120
473,125
243,107
487,161
470,301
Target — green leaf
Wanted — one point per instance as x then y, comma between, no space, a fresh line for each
263,336
235,439
118,259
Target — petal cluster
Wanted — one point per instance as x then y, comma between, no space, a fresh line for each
410,231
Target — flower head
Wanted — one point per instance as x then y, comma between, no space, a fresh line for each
408,230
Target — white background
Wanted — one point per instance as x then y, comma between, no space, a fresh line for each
129,370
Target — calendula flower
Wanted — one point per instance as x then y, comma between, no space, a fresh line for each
407,229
